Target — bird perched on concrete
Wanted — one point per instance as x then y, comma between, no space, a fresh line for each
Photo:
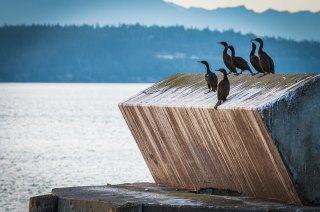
239,62
265,61
254,60
211,78
223,88
227,59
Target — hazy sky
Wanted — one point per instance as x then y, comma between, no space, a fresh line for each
256,5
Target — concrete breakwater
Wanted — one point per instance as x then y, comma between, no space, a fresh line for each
146,197
262,142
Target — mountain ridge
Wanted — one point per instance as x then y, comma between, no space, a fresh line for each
250,10
132,53
297,25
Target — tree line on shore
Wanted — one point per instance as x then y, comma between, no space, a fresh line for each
131,53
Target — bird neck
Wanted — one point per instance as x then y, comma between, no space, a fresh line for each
232,53
225,50
252,51
225,75
208,68
260,48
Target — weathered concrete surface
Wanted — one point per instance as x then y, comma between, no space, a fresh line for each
43,203
188,144
150,197
294,123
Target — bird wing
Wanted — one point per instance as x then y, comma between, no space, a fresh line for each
255,63
227,89
220,90
229,63
241,63
264,62
213,80
223,89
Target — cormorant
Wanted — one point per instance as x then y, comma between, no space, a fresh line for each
255,60
239,62
265,61
211,78
223,88
227,59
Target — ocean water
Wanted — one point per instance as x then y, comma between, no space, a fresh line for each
58,135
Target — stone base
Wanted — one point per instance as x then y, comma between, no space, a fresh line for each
150,197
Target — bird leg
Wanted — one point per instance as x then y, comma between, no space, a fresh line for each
252,74
218,103
209,87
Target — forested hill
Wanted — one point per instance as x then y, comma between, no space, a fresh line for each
296,25
131,53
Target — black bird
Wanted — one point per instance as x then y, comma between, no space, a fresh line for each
211,78
227,59
255,60
239,62
223,88
265,61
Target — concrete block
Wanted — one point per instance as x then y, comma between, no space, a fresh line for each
263,142
147,197
44,203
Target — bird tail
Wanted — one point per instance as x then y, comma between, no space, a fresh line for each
218,103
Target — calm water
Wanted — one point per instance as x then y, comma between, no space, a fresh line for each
57,135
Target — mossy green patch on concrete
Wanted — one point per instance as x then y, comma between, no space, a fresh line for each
270,81
178,81
262,81
209,199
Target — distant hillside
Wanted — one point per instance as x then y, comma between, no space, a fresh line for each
131,53
298,26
